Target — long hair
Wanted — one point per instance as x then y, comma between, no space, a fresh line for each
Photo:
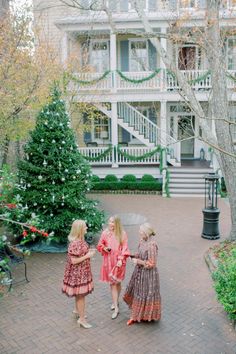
148,230
77,230
118,229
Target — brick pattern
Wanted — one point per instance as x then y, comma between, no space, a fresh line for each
36,318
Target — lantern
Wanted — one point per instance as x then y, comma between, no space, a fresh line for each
211,211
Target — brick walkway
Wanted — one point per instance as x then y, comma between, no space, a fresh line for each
36,318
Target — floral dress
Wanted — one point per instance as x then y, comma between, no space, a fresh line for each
109,272
142,294
78,278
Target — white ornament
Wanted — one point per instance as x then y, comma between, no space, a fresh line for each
53,139
42,140
53,182
63,142
66,170
40,177
28,185
63,179
51,214
46,123
59,163
62,204
44,206
60,147
35,204
61,124
45,162
74,177
53,198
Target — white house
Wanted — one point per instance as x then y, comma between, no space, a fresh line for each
121,73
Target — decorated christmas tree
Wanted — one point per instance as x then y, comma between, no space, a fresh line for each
54,177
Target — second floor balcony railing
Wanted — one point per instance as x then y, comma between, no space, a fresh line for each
159,80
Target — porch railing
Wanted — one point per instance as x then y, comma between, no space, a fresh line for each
135,81
122,156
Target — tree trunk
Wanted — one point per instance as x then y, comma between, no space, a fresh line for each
5,151
219,105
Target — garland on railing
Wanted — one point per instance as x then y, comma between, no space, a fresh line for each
89,82
138,158
167,180
139,81
193,81
99,156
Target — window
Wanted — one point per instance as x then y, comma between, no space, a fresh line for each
101,128
187,3
138,55
99,56
189,57
231,54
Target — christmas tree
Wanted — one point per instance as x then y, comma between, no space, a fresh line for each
54,177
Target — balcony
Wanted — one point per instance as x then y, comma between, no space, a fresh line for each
115,82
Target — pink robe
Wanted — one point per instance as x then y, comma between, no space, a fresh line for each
118,252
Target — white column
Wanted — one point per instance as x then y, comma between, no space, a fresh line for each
162,64
113,63
64,49
163,123
114,132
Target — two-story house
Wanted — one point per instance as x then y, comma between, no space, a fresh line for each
121,73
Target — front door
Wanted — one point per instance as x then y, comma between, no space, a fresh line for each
185,132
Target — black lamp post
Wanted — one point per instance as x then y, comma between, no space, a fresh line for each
211,211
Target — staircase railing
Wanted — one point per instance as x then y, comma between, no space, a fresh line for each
138,121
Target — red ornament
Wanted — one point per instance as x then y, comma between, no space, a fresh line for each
25,233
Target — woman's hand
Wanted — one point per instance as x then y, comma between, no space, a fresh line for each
119,263
91,253
135,260
106,249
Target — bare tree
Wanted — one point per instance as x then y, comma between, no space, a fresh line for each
216,124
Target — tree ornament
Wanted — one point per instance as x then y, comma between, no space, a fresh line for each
53,141
42,140
40,177
66,170
45,163
59,164
35,204
28,185
53,182
63,179
63,142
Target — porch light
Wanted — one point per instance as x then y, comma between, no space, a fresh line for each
211,211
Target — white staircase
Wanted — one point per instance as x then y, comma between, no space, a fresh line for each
187,181
142,128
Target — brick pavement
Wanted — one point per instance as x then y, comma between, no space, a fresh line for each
36,318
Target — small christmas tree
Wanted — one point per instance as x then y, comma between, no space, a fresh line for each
54,177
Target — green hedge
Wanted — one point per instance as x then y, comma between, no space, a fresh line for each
127,182
225,282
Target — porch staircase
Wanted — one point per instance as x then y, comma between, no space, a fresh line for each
187,181
137,124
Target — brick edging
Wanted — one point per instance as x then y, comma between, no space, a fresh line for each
119,191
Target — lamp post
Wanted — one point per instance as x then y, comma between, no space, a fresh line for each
211,211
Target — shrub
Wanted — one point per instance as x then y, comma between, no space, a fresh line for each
111,178
225,283
129,178
148,178
95,179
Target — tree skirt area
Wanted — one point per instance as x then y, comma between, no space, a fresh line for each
43,247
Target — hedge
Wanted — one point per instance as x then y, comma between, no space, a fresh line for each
127,182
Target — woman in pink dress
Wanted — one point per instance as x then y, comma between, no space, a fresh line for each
78,280
113,245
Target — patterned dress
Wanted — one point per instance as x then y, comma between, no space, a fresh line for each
118,252
78,278
142,294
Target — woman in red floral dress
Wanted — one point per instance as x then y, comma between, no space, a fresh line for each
78,280
113,245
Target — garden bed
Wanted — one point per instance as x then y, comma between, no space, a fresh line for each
221,260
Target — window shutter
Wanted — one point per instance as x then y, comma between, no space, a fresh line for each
152,56
152,5
124,55
124,5
202,4
172,4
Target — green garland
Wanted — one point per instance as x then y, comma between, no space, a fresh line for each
139,81
89,82
138,158
194,81
99,156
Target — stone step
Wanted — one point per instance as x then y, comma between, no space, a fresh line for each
187,190
183,195
187,185
187,180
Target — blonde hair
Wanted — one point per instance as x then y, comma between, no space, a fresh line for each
147,229
118,229
77,230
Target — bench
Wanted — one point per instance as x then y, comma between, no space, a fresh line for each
9,258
